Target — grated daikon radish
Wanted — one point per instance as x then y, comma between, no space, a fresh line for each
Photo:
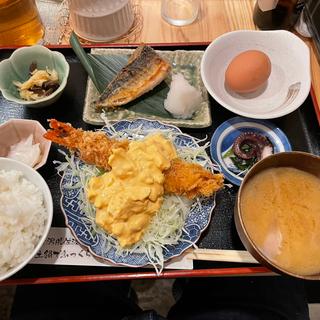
26,152
183,99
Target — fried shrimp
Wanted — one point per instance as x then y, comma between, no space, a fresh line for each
93,147
191,180
182,178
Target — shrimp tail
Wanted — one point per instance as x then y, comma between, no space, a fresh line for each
93,147
191,180
63,134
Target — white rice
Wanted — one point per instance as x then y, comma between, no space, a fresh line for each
22,218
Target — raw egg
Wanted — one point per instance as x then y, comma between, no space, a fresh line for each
248,71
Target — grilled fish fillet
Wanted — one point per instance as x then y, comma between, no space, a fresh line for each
145,70
182,178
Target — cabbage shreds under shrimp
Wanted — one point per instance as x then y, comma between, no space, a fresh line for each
167,226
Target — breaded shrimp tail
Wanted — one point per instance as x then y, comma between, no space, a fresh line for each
191,180
93,147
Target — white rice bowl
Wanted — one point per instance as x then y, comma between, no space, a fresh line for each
25,215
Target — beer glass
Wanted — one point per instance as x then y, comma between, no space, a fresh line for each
20,23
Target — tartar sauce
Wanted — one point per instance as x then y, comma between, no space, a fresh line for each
127,197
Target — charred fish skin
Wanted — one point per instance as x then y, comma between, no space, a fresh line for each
145,70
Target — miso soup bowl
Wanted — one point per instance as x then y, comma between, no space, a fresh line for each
300,160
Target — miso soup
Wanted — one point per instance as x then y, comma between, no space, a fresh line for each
280,209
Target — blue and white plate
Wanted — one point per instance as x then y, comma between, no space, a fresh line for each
224,136
196,222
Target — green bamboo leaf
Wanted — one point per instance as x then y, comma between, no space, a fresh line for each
82,55
107,67
102,69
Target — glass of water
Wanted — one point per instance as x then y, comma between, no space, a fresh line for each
179,12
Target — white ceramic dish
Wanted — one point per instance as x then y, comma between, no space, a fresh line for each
287,87
15,130
35,178
101,20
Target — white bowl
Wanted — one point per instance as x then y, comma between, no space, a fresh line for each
288,85
35,178
15,130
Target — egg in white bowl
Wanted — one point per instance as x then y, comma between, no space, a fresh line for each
287,86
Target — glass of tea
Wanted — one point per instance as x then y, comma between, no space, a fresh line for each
20,23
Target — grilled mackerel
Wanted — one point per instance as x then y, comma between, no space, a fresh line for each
144,71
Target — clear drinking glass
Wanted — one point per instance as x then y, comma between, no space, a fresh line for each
179,12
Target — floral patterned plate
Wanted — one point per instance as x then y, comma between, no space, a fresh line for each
196,222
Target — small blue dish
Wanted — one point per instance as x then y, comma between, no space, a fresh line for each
224,136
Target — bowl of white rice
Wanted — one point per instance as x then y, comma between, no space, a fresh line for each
26,212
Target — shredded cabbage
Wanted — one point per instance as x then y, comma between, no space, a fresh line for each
167,225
